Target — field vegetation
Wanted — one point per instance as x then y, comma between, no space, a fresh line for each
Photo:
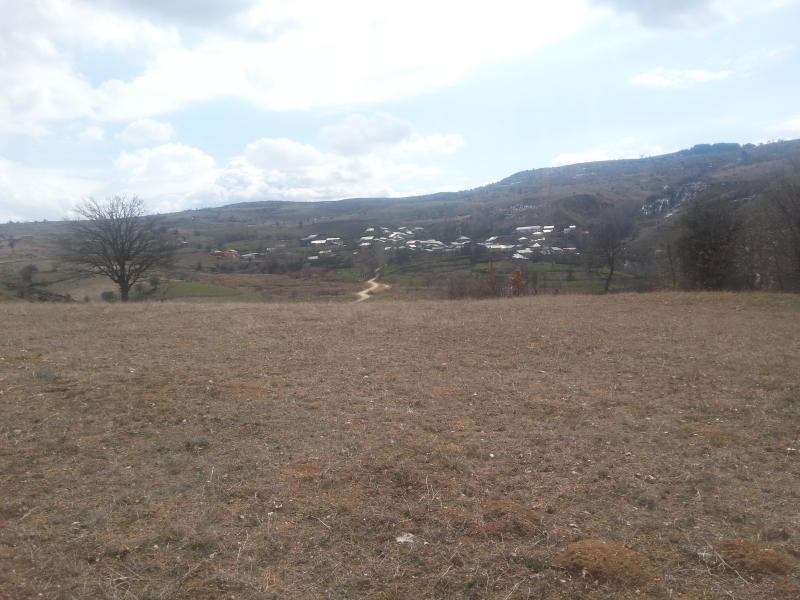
570,446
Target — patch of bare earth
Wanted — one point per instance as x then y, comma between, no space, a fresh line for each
402,450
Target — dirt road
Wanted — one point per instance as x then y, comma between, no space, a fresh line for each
373,285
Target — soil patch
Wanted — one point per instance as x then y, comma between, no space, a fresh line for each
504,518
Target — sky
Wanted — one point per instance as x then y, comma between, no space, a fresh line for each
198,103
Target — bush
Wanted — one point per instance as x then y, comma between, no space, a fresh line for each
27,272
108,297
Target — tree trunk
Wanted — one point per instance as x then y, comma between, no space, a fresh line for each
123,293
608,278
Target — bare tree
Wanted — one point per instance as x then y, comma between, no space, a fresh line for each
710,245
784,197
608,237
116,239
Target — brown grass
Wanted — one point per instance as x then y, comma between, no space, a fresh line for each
754,558
281,451
606,562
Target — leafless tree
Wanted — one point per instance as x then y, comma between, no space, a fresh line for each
710,245
116,238
609,235
784,197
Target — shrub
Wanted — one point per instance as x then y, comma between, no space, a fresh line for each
108,297
27,272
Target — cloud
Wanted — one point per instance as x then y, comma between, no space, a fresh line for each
684,78
144,131
278,55
166,167
764,55
40,43
362,135
671,14
282,155
203,12
36,193
382,133
791,126
368,157
316,176
92,134
626,148
677,78
392,159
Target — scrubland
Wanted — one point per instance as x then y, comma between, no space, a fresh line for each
630,446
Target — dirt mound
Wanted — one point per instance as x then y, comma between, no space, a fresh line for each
607,562
505,518
753,558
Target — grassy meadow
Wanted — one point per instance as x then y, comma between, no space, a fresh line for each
626,446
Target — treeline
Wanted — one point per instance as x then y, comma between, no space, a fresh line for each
735,245
717,243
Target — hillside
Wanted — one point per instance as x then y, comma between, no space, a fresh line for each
284,263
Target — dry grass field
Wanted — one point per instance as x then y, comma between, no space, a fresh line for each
634,446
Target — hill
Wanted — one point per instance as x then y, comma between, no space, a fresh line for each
285,263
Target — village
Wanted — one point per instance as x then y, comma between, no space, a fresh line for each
523,243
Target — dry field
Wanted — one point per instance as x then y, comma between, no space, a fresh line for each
634,446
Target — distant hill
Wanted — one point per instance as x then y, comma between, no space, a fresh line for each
270,232
572,192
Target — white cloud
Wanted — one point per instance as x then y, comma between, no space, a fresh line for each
432,144
282,155
382,133
362,135
364,162
40,43
626,148
168,167
677,78
173,176
791,126
279,55
201,12
92,134
690,14
317,175
144,131
763,55
35,194
672,14
369,157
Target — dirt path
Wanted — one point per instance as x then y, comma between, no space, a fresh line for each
373,285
